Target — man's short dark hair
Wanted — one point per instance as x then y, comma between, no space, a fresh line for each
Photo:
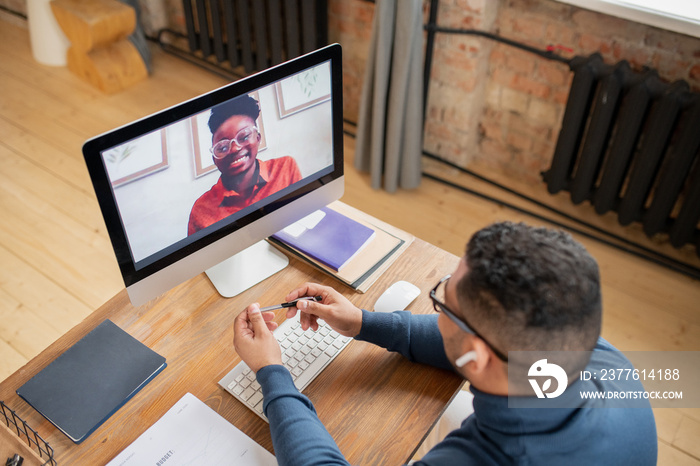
531,288
242,105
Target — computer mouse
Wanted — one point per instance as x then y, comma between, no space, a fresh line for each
397,297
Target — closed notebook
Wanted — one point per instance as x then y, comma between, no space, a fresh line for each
91,380
328,237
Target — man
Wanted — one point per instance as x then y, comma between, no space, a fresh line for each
244,179
516,288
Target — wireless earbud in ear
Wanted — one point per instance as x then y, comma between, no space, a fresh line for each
465,358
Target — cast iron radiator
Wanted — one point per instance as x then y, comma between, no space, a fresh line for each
630,143
255,34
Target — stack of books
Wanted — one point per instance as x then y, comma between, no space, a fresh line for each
345,243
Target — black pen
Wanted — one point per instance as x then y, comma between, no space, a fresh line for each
290,303
14,461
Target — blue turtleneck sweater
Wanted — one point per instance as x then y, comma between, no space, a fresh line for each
493,434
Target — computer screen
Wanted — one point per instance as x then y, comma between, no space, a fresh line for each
192,185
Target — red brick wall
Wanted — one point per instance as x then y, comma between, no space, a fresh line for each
499,107
350,24
526,95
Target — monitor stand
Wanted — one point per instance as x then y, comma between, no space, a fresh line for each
247,268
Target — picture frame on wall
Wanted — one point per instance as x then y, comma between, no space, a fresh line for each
303,90
137,159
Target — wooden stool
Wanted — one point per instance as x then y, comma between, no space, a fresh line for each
100,52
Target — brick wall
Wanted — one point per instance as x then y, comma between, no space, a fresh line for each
526,95
350,24
500,108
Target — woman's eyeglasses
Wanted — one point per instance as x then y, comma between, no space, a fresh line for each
442,308
243,137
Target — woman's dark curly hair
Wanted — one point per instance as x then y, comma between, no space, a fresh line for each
243,105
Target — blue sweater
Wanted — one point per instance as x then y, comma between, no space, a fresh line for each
494,434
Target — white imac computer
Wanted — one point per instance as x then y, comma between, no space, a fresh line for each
199,186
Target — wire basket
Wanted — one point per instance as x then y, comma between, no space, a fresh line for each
24,432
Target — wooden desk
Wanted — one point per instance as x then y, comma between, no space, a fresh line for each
376,405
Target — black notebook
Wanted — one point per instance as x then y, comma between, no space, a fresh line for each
91,380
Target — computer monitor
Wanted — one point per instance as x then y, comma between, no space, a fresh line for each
199,186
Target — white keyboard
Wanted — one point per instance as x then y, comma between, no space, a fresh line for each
304,353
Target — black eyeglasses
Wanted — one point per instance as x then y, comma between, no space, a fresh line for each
463,325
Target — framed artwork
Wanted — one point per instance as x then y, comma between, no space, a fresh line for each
303,90
201,139
137,159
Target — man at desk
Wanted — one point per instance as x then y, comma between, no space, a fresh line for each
516,288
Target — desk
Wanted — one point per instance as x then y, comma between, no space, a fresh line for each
376,405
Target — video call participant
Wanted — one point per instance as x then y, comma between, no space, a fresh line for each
516,288
244,179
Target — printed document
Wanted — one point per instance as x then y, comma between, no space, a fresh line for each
192,433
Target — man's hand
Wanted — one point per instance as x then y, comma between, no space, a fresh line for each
343,316
253,338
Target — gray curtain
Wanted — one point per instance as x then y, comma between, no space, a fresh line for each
390,123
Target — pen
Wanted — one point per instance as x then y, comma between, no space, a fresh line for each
290,303
14,461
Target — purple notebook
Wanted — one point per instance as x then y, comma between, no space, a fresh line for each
327,236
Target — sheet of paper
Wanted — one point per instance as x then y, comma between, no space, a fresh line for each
191,433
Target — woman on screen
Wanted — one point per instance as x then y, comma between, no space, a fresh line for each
244,179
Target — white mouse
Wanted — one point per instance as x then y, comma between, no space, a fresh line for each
397,297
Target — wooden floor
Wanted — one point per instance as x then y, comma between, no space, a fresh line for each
58,265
